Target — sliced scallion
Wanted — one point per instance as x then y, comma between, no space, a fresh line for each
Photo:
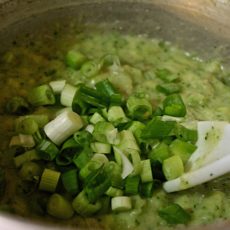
173,105
63,126
173,167
49,180
23,140
139,108
82,205
26,126
70,181
57,86
59,207
29,170
121,203
146,173
99,147
47,150
75,59
116,115
67,95
27,156
113,192
41,95
132,185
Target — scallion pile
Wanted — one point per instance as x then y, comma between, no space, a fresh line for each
102,147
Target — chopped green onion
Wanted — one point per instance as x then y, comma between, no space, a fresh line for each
139,108
113,192
168,88
89,128
97,186
83,138
116,115
75,59
17,106
136,127
127,167
49,180
186,134
69,145
26,126
23,140
90,68
57,86
29,170
40,119
105,132
100,158
80,160
67,95
59,207
182,148
159,153
82,205
157,128
107,90
105,87
146,173
127,141
87,97
96,118
67,153
70,181
135,158
173,105
173,167
99,147
121,203
27,156
166,75
113,170
89,168
47,150
146,189
132,185
41,95
63,126
174,214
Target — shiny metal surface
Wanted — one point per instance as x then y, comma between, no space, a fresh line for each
200,26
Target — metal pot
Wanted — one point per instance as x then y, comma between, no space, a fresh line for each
200,26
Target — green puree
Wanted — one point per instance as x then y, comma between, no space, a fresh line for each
144,63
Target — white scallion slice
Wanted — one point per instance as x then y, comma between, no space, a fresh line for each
121,203
66,109
67,95
89,128
57,86
127,167
99,147
63,126
26,141
101,158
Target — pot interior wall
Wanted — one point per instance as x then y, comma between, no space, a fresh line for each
154,19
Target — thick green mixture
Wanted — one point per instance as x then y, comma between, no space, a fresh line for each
41,60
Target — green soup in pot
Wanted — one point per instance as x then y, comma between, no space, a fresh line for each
135,66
